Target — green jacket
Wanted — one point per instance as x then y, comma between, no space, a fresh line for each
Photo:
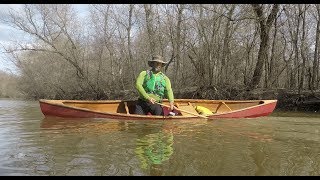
143,87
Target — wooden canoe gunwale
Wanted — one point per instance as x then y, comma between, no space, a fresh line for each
62,104
99,112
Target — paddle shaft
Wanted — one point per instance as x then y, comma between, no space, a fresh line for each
183,110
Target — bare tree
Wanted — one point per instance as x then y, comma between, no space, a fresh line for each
303,47
315,70
175,29
265,26
226,46
217,49
150,29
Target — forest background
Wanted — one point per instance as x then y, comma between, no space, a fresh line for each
214,51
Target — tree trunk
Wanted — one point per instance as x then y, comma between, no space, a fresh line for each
315,70
130,59
303,50
264,42
151,34
226,48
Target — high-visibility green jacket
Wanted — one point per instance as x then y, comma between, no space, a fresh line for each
157,86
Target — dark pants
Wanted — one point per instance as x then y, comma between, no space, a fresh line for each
143,107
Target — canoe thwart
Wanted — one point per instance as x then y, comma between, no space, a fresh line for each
227,106
126,107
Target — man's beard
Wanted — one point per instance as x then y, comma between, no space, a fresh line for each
156,69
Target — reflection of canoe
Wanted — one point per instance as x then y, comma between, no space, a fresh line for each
117,109
83,125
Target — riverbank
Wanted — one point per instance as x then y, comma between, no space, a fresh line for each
288,100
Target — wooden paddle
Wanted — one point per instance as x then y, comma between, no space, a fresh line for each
183,110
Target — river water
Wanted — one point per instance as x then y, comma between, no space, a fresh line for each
282,144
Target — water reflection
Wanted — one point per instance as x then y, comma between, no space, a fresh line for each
83,125
154,148
277,145
155,144
152,142
107,147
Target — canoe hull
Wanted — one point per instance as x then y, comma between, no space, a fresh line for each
51,108
248,113
58,111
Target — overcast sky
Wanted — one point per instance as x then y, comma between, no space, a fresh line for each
8,34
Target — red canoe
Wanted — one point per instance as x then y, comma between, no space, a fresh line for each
117,109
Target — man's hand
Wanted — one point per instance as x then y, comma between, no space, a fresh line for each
152,101
171,106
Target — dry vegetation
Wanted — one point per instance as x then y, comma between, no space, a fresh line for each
226,51
9,86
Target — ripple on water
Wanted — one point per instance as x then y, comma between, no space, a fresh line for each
33,145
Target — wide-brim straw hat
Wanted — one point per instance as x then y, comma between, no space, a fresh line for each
157,59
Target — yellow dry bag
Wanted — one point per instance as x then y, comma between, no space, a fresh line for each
203,110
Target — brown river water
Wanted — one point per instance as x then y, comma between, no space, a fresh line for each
282,144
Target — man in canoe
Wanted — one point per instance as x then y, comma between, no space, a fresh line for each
153,86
